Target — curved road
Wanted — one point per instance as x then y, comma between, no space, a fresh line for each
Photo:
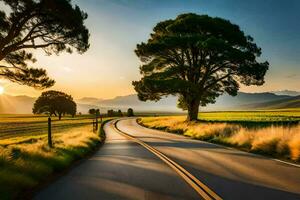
123,169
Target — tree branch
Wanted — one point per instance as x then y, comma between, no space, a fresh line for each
35,46
219,79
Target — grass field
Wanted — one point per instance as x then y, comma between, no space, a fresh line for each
35,125
273,139
25,158
288,115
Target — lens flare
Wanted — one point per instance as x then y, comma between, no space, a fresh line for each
1,90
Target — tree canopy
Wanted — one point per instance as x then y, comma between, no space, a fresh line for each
130,112
51,25
198,58
94,111
55,103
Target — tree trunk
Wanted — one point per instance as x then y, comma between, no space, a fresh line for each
193,108
59,116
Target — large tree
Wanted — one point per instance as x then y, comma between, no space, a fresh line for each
55,103
198,58
51,25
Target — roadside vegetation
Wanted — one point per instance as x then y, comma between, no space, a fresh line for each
14,126
263,133
262,116
26,161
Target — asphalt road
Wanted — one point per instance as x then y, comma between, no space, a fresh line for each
123,169
232,174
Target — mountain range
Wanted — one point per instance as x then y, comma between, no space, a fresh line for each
286,92
243,101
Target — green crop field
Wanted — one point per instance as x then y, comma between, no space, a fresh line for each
288,115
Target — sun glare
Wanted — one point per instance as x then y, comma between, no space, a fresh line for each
1,90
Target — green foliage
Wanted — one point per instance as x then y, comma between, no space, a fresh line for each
95,112
198,58
53,26
34,163
92,111
130,112
55,103
120,114
112,113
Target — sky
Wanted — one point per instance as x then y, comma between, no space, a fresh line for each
107,69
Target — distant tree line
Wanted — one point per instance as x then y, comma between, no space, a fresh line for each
112,113
119,113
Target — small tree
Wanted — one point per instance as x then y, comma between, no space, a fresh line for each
51,25
72,108
97,112
110,113
92,111
55,103
120,114
130,112
197,58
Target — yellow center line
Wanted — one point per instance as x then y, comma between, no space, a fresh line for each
204,191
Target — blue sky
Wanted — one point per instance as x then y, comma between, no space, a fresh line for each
116,27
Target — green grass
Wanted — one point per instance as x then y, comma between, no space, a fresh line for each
26,160
272,133
36,125
288,115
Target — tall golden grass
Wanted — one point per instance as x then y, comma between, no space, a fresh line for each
23,165
275,140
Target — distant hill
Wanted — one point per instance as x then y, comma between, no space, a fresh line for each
89,100
286,92
169,103
225,102
16,104
165,104
23,105
243,101
291,102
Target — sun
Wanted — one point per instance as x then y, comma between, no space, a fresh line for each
1,90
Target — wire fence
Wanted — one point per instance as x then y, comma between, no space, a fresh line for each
39,126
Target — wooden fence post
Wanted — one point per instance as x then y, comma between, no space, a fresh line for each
93,123
49,133
96,123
